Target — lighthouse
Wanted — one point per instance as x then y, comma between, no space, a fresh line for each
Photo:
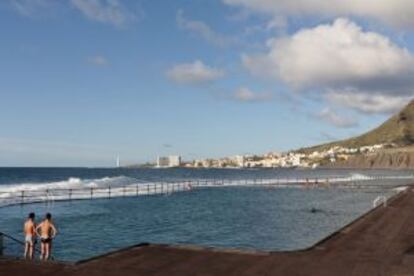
118,162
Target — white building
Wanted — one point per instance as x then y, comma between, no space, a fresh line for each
168,162
174,161
239,159
163,162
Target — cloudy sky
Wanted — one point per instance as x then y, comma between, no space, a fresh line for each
84,80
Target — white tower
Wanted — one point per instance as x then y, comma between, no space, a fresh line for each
118,162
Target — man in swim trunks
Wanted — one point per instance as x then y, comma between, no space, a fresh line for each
47,231
29,236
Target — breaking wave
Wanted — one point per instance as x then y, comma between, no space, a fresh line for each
76,188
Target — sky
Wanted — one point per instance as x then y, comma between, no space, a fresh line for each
83,81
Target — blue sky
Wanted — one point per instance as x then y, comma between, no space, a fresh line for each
84,80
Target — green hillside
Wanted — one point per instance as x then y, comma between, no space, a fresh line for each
399,129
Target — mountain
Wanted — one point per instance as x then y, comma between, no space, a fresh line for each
398,130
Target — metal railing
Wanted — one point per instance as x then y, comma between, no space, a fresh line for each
377,201
67,194
49,195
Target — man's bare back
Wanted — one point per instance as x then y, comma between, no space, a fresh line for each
47,231
29,228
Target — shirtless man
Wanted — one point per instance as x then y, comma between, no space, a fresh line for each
47,231
29,236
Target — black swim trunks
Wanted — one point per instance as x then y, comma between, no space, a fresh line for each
46,240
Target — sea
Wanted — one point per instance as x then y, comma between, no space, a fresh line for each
99,210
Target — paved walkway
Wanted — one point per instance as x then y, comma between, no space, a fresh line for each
380,243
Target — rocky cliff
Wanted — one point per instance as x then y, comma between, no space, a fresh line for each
402,158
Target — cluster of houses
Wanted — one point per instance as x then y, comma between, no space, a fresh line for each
286,160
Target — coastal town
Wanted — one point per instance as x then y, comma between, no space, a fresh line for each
291,159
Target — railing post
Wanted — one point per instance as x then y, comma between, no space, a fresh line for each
109,192
70,194
137,190
22,196
1,244
91,192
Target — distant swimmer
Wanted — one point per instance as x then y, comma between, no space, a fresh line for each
29,236
315,210
47,232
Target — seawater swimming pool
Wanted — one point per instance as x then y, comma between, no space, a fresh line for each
262,218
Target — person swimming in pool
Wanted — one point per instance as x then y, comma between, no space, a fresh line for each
47,232
29,236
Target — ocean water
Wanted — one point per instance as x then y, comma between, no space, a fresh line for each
260,217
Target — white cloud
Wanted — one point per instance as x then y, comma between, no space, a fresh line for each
334,55
399,13
334,119
246,95
368,103
98,61
202,29
105,11
361,70
193,73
